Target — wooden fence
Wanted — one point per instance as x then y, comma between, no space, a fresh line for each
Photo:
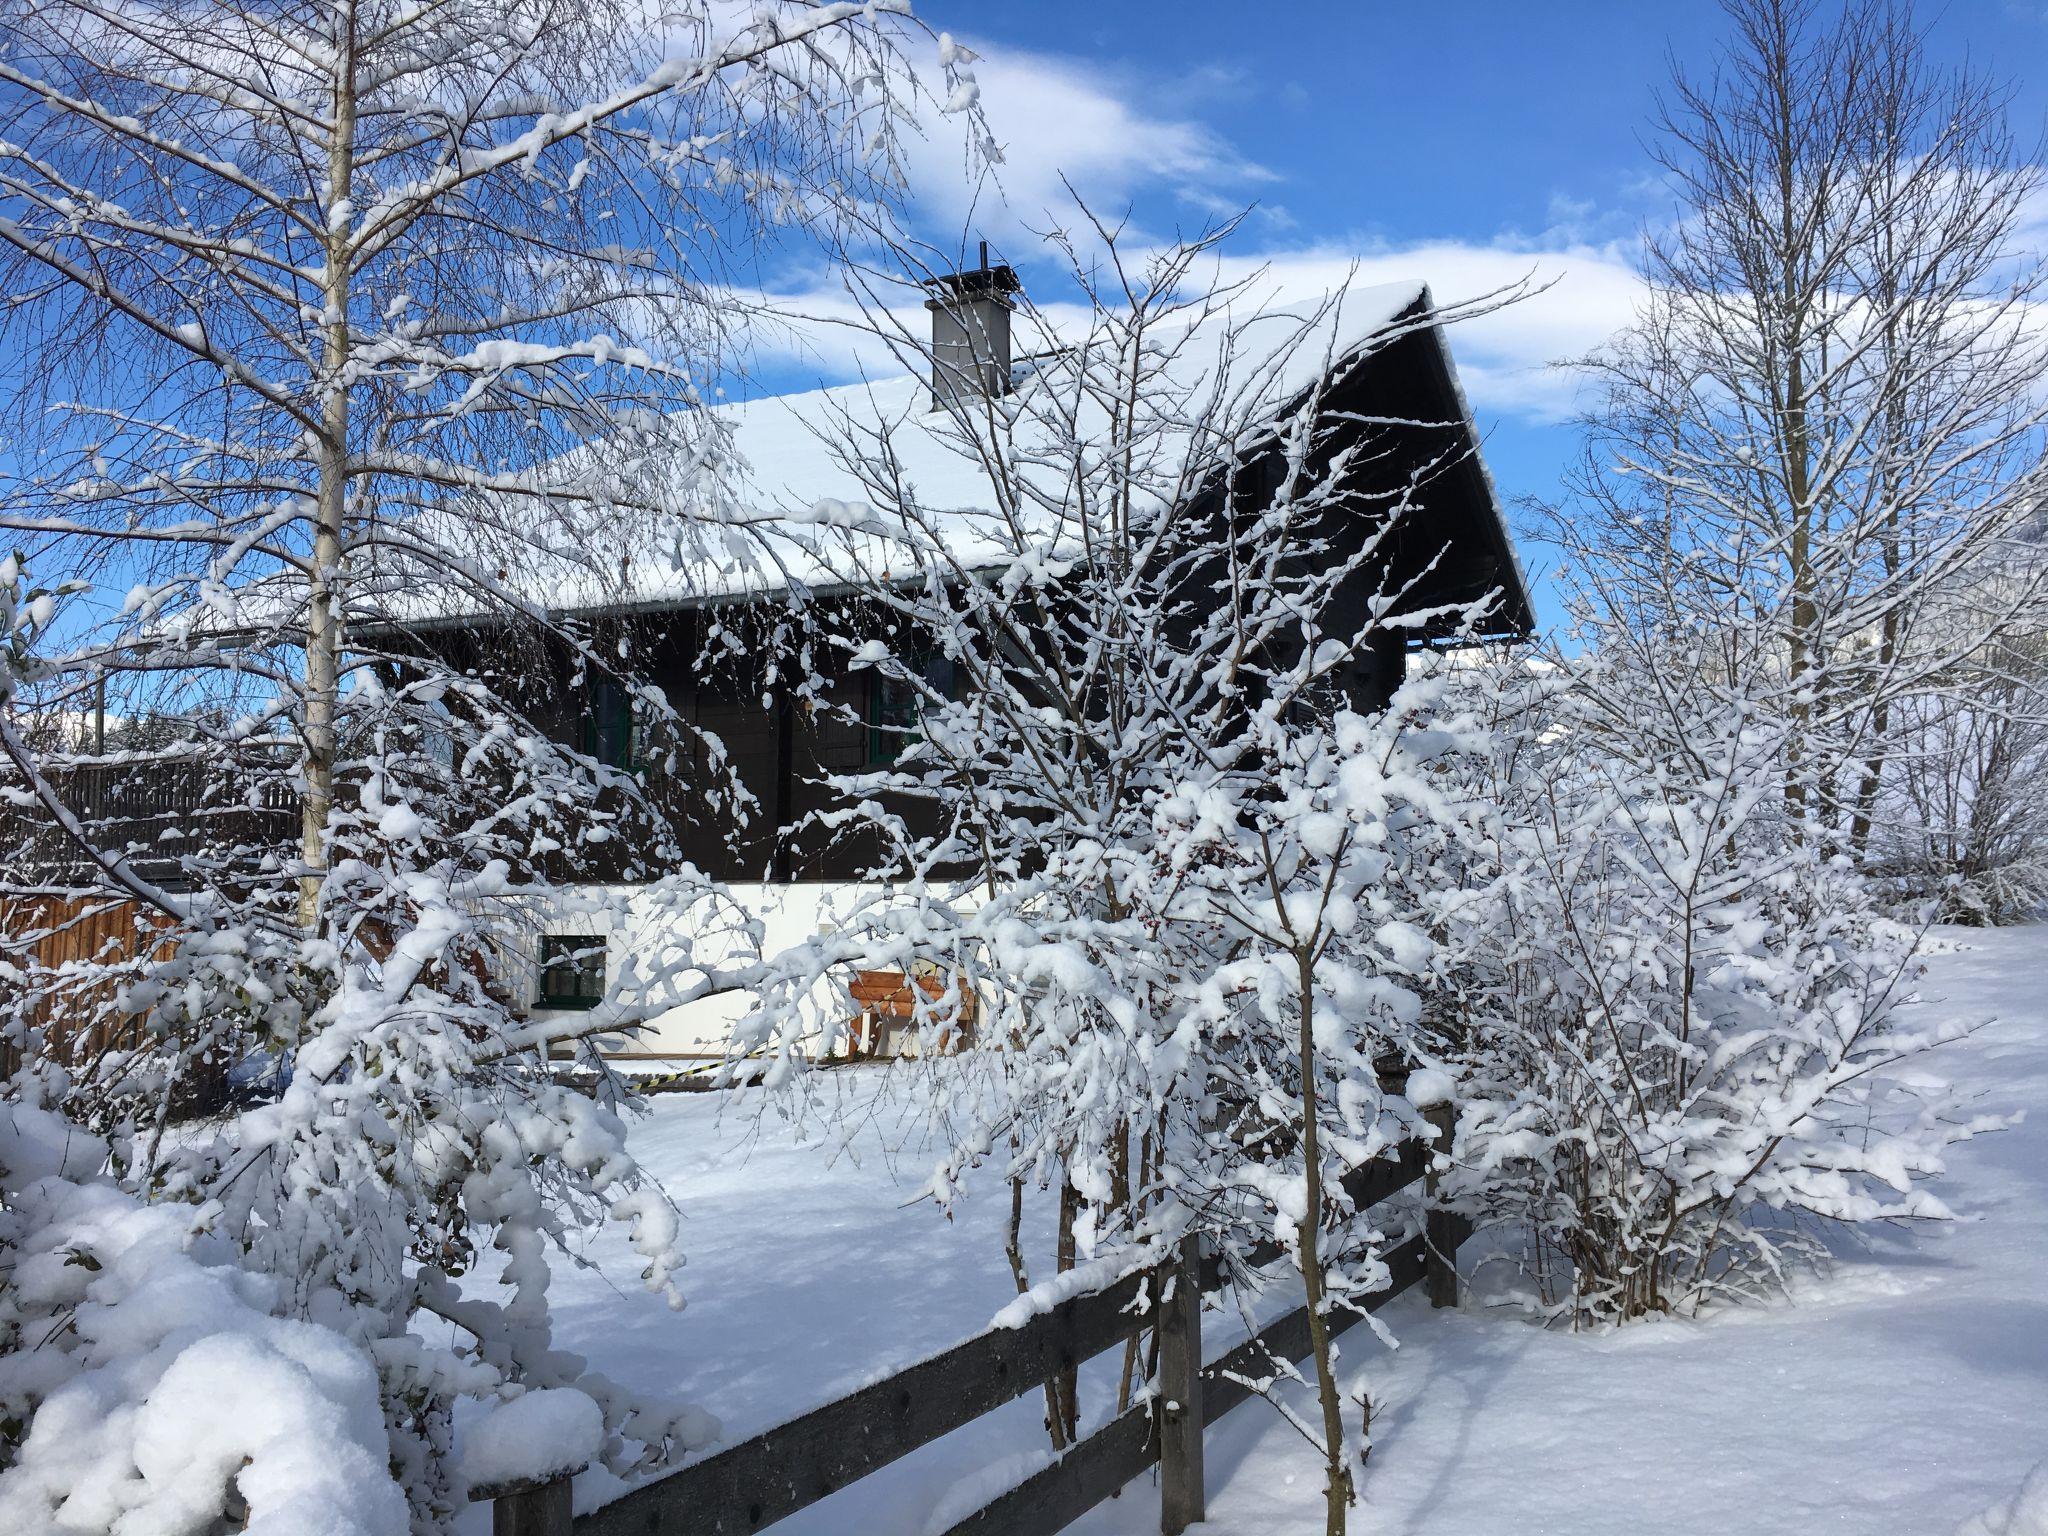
74,948
750,1486
156,811
65,941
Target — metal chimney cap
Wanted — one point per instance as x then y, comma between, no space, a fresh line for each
984,282
987,283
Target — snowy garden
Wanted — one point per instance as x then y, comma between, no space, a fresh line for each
1084,929
1902,1386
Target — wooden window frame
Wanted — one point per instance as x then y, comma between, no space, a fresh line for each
572,955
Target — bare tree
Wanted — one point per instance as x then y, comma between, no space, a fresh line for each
1962,823
338,313
1151,800
293,281
1815,452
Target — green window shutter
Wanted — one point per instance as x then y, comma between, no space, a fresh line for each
895,704
611,725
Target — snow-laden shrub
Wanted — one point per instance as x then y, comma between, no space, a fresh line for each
416,1151
1681,1033
354,1218
1961,822
165,1364
147,1375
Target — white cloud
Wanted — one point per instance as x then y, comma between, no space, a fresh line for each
1054,118
1582,295
1059,120
1118,140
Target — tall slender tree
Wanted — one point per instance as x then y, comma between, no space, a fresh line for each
319,305
1150,810
1819,451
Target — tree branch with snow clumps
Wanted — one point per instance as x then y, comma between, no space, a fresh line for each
346,315
1149,816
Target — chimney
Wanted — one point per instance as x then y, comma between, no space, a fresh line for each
971,332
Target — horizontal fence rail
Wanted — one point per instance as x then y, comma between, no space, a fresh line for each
1060,1493
1226,1380
759,1481
749,1486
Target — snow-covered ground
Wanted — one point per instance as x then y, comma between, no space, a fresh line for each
1905,1392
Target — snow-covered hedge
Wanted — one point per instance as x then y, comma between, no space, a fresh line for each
1677,1021
157,1386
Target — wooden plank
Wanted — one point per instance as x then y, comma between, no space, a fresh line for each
1385,1176
1182,1491
1287,1338
1445,1230
53,933
1057,1495
543,1510
752,1485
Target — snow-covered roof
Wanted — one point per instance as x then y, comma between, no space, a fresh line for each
804,510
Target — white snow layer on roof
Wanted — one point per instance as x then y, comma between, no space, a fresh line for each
806,513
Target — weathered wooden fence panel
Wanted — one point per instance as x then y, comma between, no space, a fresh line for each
759,1481
750,1486
62,941
155,811
1058,1494
1286,1338
60,938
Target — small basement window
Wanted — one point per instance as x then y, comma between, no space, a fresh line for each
572,970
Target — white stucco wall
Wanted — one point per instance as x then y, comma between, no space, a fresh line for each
634,923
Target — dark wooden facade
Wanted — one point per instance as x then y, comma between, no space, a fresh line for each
779,747
1451,549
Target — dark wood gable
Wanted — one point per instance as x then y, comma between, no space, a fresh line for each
1450,550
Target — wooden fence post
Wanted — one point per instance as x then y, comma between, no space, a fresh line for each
1178,1408
534,1509
1444,1232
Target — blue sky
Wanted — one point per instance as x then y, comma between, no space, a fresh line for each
1465,142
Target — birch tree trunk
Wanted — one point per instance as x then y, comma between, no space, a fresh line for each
323,607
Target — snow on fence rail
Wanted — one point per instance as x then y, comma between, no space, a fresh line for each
749,1486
